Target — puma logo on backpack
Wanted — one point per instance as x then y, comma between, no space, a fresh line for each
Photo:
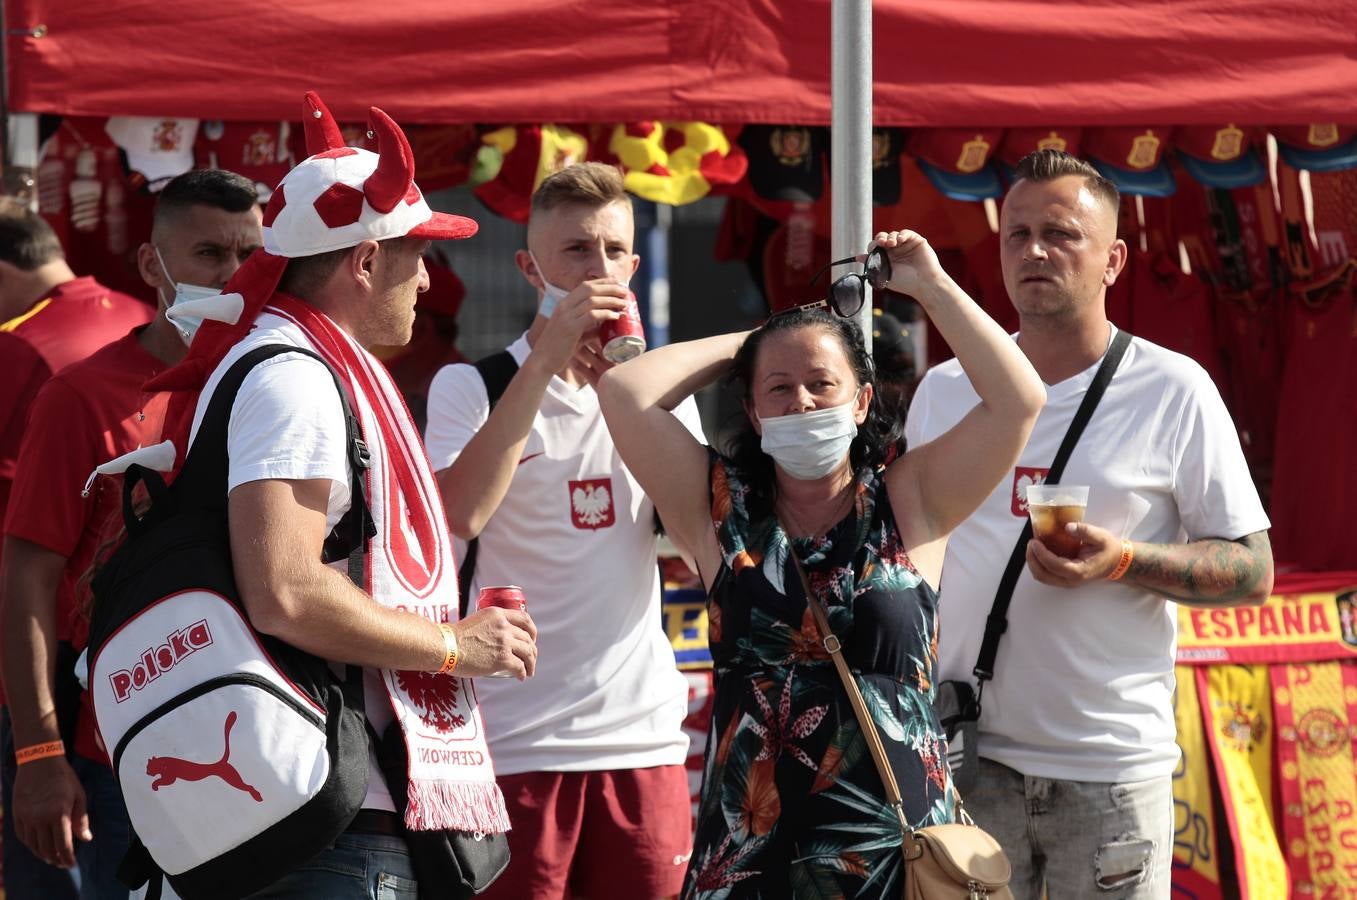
166,770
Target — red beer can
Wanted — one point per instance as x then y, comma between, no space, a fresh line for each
506,597
623,338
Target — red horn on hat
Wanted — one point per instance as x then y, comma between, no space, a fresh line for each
395,173
322,132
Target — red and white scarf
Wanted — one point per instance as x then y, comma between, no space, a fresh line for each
410,563
410,566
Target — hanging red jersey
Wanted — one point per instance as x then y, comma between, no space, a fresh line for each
1314,484
1335,212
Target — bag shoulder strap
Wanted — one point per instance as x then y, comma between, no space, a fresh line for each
997,622
496,370
202,481
850,685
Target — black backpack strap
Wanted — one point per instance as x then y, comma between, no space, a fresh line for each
137,868
496,370
997,623
202,481
351,533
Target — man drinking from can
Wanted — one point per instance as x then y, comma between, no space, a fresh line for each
533,475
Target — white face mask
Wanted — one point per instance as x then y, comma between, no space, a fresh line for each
185,324
551,295
809,445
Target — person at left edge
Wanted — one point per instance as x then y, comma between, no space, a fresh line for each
49,319
67,808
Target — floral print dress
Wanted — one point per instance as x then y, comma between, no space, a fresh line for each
792,805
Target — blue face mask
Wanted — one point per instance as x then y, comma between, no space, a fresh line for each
551,294
185,323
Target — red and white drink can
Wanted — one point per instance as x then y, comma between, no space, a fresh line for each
623,338
506,597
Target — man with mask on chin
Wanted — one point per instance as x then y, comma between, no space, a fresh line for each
67,808
589,753
207,223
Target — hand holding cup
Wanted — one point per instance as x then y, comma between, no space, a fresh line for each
1053,507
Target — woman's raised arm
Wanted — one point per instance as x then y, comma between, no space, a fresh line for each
666,459
950,477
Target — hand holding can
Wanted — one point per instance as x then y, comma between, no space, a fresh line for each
623,338
505,597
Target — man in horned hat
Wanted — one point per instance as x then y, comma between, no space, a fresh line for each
344,233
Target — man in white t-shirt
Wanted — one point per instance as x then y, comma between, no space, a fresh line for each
590,752
341,266
1076,734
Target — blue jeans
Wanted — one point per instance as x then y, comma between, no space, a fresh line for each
96,873
1083,840
98,859
357,867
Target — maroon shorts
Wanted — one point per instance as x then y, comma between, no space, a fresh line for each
597,835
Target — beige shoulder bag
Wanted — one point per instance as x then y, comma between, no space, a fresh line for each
942,862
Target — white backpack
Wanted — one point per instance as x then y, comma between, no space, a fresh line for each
239,757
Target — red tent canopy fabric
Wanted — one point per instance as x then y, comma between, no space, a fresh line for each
939,63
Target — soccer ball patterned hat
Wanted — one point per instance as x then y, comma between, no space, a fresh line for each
340,196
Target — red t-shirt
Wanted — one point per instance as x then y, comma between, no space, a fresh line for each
1335,214
1314,484
67,325
1250,329
82,417
1173,310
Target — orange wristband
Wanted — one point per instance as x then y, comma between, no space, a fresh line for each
35,752
1128,553
449,649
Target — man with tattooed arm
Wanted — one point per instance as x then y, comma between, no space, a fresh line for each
1076,733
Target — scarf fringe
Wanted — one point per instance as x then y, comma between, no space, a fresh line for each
461,805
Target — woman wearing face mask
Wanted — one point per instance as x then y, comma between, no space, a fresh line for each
791,801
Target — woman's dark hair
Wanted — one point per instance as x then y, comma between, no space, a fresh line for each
876,434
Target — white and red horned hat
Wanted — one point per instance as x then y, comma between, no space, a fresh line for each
340,196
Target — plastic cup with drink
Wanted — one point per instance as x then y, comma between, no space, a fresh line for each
1052,507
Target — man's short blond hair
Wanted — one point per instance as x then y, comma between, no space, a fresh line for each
591,184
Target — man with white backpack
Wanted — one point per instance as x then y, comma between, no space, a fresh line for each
315,432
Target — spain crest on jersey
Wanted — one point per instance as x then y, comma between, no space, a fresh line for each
974,153
1229,143
1144,151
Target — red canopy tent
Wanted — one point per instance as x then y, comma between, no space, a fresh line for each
948,63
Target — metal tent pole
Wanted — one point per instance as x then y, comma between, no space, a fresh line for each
4,88
851,136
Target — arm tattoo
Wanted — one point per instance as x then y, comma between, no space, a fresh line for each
1210,572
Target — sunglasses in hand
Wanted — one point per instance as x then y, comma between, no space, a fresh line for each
848,293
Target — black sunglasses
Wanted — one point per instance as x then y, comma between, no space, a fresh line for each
848,293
